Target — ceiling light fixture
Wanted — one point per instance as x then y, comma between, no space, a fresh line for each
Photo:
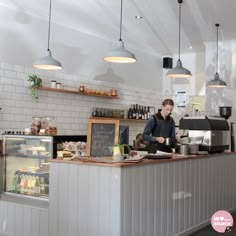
179,71
120,54
48,62
216,82
138,17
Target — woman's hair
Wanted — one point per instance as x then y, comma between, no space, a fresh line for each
168,102
139,135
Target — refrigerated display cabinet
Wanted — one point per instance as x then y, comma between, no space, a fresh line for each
25,164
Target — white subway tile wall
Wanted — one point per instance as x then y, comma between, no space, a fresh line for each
71,111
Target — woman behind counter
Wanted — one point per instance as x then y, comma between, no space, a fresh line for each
159,127
139,143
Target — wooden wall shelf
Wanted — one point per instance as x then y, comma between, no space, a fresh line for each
120,119
76,92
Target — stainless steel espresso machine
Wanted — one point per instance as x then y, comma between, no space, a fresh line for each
211,133
226,112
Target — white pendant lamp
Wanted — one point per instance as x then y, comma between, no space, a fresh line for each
179,71
216,82
120,54
48,62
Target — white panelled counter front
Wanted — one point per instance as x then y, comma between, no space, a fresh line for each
151,198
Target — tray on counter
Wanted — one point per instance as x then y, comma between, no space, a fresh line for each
158,156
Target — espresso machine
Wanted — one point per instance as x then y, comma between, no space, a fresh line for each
226,112
211,133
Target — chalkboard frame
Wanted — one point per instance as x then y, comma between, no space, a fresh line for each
92,121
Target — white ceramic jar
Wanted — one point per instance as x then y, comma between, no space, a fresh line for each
53,83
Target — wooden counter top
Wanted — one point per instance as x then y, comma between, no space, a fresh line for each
175,157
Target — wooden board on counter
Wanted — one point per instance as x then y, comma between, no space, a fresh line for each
102,135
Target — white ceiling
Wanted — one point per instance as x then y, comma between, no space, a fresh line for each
157,32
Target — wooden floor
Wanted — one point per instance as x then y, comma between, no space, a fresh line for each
209,231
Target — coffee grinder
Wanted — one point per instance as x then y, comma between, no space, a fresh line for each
225,112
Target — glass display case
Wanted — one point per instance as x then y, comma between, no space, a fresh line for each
26,167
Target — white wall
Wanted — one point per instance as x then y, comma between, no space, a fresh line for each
202,66
71,111
195,62
227,72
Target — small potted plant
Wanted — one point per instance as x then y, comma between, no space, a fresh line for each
118,151
36,82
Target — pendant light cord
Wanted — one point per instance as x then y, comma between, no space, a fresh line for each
49,23
217,26
180,1
121,8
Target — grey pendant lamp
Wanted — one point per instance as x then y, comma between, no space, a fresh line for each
179,71
120,54
216,82
48,62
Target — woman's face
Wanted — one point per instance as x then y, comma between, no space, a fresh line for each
166,110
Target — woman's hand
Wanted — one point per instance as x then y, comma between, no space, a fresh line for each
160,139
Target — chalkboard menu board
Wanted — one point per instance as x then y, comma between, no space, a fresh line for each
102,135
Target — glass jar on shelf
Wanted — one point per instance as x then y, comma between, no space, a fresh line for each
36,125
48,123
81,88
114,92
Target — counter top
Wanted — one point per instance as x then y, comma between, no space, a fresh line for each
175,157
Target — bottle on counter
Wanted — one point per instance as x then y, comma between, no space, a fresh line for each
30,185
26,184
14,183
42,185
137,112
145,113
22,179
94,112
134,112
130,116
142,112
148,113
37,186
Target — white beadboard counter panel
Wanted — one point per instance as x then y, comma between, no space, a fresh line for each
85,200
156,199
23,220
